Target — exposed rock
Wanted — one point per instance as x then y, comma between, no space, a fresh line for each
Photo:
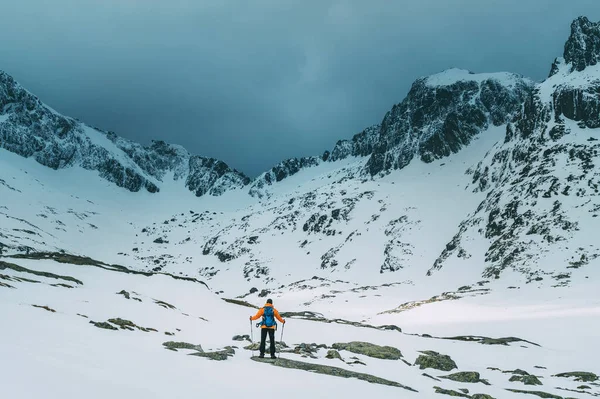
433,378
86,261
582,49
526,379
125,294
308,350
541,394
20,269
182,345
466,376
104,325
312,316
279,172
371,350
241,338
129,325
361,145
34,130
442,114
450,392
490,341
355,360
333,354
279,346
239,302
435,360
223,354
164,304
329,370
44,307
582,376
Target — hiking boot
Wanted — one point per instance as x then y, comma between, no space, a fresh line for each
273,357
261,356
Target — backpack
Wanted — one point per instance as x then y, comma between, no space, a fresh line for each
268,317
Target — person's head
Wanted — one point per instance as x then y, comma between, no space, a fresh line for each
270,301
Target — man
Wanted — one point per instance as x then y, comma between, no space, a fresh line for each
268,326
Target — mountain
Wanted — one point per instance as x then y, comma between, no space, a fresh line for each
511,208
450,249
441,115
32,129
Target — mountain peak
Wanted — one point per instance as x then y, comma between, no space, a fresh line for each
454,75
582,49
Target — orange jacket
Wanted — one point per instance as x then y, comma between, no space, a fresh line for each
260,313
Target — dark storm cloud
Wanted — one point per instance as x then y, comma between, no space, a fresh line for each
254,82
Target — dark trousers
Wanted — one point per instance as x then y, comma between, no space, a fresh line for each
263,339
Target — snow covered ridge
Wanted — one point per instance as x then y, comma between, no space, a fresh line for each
440,116
31,129
436,121
542,183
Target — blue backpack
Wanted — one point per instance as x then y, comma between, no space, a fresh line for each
269,317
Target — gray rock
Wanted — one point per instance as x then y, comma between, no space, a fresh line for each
371,350
435,360
182,345
329,370
526,379
466,376
223,354
333,354
104,325
582,49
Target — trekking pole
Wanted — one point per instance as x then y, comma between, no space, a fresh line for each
281,340
252,335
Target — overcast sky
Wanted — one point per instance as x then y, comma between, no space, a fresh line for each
255,82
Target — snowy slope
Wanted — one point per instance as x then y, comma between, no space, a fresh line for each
476,236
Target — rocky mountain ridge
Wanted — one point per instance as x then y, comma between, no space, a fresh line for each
434,121
520,195
31,129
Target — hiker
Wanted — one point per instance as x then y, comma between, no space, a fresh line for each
267,326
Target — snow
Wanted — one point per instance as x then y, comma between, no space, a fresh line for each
453,75
72,356
564,77
60,354
4,118
100,140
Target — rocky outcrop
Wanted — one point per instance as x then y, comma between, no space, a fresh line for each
277,173
541,178
526,379
583,47
328,370
583,376
172,345
371,350
466,376
360,145
442,114
435,360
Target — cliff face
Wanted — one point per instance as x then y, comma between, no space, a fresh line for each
442,114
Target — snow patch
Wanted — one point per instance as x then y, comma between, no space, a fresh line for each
454,75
